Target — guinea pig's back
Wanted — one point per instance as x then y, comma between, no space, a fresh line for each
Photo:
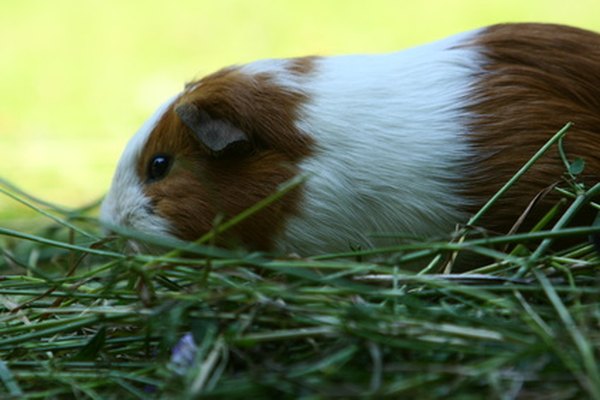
414,141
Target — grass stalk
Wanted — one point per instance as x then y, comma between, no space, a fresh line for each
515,178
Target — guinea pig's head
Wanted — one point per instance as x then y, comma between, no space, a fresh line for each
216,149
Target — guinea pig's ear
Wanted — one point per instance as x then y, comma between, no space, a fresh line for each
220,137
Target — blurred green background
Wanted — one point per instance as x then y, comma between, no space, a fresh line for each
77,77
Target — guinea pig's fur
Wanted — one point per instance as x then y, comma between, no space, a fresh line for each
412,142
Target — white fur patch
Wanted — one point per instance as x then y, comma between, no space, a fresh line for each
390,139
126,204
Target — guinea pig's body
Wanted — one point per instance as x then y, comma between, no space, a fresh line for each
412,142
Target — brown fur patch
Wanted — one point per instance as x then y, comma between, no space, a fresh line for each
535,79
255,104
199,186
302,65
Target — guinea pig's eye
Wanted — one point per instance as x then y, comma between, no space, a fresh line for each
158,167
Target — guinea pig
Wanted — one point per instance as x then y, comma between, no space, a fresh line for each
412,142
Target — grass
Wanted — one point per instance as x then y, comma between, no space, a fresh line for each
82,319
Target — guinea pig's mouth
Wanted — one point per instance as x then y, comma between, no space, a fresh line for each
130,241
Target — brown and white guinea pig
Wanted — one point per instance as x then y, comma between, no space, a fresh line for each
412,142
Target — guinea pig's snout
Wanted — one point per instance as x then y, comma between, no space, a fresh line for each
113,229
127,210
